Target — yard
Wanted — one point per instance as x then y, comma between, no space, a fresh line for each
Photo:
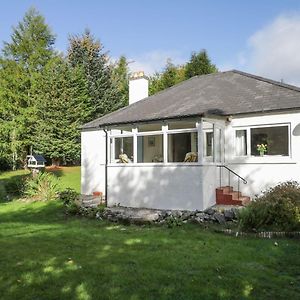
46,255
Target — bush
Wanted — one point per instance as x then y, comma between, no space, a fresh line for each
70,199
173,221
42,187
277,209
68,195
16,185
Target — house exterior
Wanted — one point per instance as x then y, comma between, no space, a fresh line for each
173,150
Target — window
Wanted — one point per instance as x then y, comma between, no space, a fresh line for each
123,149
183,147
181,125
276,139
208,143
150,149
149,127
241,142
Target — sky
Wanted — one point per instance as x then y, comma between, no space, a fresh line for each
260,37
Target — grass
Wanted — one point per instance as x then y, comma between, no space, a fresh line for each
46,255
69,178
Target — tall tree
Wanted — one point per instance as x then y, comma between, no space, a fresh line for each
86,52
170,76
62,109
120,77
23,58
199,64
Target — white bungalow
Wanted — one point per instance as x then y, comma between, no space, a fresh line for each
201,142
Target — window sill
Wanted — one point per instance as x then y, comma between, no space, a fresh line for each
266,159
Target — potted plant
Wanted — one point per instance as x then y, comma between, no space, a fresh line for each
262,149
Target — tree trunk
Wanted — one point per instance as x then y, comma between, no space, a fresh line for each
55,162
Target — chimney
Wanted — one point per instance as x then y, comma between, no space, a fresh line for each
138,87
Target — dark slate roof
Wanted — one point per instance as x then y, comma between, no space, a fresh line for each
39,157
225,93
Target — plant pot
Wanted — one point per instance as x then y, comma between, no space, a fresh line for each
97,194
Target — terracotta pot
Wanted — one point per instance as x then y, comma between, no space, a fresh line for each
97,194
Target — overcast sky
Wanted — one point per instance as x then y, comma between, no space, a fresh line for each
261,37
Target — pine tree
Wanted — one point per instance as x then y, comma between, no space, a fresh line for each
84,51
23,59
199,64
62,109
120,77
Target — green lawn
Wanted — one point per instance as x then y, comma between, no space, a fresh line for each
69,178
46,255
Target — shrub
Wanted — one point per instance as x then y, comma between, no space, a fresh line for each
68,195
70,199
42,187
277,209
173,221
16,185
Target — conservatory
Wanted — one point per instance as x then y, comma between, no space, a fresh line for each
161,164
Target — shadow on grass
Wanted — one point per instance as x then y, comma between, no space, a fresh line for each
46,256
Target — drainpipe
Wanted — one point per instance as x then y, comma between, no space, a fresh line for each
106,162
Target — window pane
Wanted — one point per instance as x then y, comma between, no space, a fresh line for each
218,143
183,147
209,143
149,127
124,149
181,125
276,139
241,142
150,149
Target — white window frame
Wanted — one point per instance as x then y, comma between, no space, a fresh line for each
165,132
248,135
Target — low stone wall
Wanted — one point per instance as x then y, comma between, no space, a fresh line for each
134,215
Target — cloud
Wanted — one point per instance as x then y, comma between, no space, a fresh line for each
154,61
274,50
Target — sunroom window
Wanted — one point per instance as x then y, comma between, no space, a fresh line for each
123,149
183,147
150,149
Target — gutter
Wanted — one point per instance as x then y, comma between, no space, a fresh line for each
106,163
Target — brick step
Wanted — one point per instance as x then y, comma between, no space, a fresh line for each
225,195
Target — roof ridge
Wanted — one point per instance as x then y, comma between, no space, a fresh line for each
264,79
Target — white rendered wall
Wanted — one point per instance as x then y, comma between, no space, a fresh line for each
138,89
267,171
161,187
92,161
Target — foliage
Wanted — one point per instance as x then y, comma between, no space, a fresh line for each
120,75
46,255
277,209
87,53
199,64
63,107
173,221
68,195
24,57
42,187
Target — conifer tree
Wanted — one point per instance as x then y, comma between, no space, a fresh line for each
86,52
62,109
199,64
23,58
